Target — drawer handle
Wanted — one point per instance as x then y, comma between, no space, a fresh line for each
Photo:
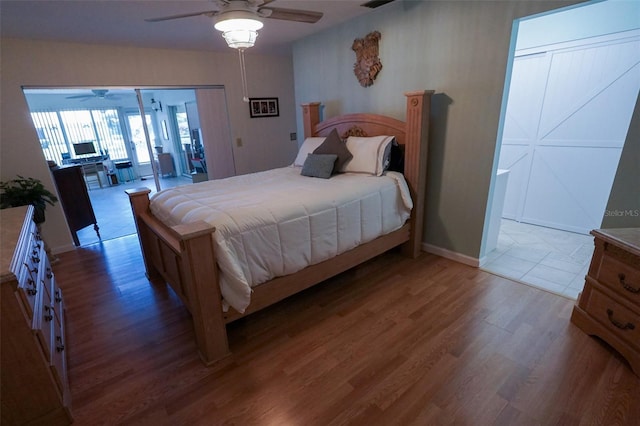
59,346
626,286
31,291
35,259
49,273
621,326
31,271
58,296
49,315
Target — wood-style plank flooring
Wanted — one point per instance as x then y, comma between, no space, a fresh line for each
393,342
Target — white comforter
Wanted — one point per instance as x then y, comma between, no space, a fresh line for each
277,222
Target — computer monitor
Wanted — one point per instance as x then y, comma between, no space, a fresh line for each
84,148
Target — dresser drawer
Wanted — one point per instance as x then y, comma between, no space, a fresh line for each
32,257
43,323
619,320
58,354
57,300
45,276
30,241
28,289
621,278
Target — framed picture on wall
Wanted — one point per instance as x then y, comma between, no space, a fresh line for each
264,107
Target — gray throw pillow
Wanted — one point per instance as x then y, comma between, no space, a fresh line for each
334,145
319,165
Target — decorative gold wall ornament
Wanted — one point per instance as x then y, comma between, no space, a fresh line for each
368,63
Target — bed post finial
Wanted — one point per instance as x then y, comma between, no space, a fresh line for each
415,163
310,117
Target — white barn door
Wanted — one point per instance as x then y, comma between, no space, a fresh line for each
567,117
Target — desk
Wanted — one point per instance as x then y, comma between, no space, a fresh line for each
91,166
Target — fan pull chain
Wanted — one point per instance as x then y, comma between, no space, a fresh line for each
245,95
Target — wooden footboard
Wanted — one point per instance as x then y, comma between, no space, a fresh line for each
273,291
184,257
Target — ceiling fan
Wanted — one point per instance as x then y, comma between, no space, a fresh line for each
255,9
96,93
240,20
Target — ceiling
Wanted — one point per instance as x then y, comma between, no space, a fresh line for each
122,22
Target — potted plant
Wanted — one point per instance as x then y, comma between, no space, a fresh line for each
24,191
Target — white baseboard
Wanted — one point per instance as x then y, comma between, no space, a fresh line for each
455,256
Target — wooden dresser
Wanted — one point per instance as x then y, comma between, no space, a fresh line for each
35,389
609,305
75,200
165,164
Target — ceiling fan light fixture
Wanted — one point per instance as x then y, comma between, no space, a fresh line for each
239,28
240,39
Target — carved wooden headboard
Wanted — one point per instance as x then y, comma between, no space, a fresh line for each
361,124
412,133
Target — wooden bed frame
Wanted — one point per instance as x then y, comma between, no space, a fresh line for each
182,255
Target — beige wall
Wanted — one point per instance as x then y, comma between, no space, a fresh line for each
457,48
266,141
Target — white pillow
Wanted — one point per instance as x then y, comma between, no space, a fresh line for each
368,154
308,146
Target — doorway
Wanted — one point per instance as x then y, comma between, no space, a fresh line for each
127,154
570,102
569,109
140,156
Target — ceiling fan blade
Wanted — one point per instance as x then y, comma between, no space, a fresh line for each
296,15
184,15
79,96
372,4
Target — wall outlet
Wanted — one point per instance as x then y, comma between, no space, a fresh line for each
293,136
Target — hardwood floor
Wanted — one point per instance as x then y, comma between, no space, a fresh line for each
393,342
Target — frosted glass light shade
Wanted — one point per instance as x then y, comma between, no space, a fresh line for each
239,33
240,39
230,23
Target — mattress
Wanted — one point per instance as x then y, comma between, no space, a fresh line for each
277,222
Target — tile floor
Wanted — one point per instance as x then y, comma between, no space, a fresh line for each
113,211
551,259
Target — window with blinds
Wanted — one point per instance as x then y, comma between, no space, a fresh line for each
58,130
